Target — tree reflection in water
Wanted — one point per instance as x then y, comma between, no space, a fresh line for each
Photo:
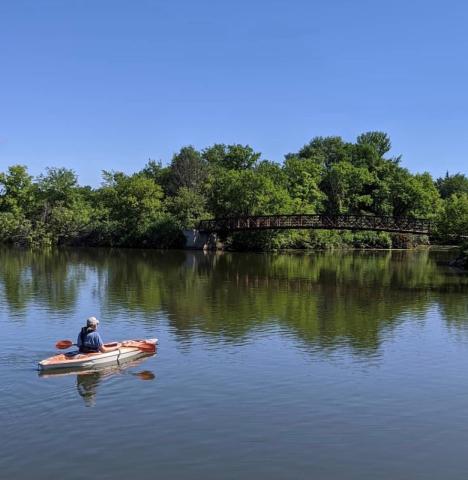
326,300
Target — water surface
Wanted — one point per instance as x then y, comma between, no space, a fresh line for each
327,365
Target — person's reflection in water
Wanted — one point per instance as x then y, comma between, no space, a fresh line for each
86,384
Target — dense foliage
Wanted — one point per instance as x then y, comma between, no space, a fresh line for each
152,206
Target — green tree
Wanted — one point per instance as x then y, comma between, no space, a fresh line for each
274,171
187,207
231,157
130,206
452,221
188,169
303,177
348,188
63,213
379,140
414,195
159,174
325,150
246,192
16,190
451,184
59,185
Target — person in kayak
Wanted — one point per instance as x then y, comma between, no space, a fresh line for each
89,340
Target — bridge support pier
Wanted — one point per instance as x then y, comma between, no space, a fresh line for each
196,240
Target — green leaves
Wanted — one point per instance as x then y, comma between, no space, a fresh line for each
452,221
303,177
188,169
246,192
16,190
347,188
451,184
131,204
148,208
59,185
378,140
231,157
187,207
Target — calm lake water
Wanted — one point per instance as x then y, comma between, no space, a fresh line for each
287,366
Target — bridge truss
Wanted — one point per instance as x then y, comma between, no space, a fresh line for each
318,221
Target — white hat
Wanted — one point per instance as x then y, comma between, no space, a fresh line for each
92,321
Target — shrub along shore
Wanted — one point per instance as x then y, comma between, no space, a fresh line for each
462,260
151,207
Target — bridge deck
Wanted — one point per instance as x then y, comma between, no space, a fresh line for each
318,221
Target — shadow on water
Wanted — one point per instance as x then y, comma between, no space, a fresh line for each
326,299
89,381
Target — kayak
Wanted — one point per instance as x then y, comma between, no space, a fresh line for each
103,371
79,360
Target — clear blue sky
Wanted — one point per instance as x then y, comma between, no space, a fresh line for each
107,84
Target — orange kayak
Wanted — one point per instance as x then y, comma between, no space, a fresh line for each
129,349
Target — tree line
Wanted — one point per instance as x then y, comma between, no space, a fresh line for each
151,207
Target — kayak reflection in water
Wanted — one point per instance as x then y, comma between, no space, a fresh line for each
87,382
89,340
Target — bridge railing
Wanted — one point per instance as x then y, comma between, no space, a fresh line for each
317,221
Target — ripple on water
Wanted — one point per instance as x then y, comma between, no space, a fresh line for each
268,366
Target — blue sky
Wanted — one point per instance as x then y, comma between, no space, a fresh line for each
97,84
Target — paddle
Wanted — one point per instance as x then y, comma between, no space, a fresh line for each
145,375
140,344
63,344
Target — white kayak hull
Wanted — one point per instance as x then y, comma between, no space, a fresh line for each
76,360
